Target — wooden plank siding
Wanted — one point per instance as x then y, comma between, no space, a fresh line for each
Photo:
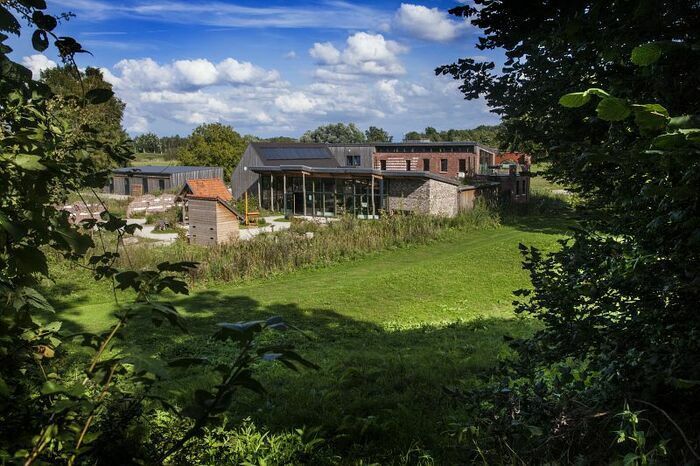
210,223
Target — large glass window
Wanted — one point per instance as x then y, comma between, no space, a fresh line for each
408,165
426,165
352,160
443,165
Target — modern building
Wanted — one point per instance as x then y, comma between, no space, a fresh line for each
328,180
136,181
211,219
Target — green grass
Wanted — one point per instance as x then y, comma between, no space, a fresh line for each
389,330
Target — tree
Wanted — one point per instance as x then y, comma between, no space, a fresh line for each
334,133
147,142
374,134
66,82
213,144
618,302
49,412
412,136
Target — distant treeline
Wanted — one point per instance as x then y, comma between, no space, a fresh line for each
333,133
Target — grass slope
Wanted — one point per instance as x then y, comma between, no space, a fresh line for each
389,331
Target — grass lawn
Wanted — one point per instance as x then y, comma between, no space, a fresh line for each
389,331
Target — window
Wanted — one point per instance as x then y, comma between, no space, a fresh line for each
426,165
144,183
382,164
463,165
408,165
352,160
443,165
161,185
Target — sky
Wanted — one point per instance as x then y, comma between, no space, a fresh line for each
275,68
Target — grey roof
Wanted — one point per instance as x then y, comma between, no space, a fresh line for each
317,155
355,171
160,169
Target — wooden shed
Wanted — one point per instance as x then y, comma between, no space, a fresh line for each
211,219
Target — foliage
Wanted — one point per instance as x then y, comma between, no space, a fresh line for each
268,254
50,148
334,133
617,303
213,144
483,134
374,134
148,142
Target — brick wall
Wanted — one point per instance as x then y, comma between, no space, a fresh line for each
398,161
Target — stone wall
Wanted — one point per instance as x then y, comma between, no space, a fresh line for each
422,196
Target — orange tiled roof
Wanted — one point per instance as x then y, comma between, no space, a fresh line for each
212,188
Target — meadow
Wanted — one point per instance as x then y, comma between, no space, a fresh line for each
396,333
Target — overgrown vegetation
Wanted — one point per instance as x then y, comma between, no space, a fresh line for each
347,238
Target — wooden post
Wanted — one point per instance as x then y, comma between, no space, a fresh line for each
259,193
303,190
374,207
354,198
272,193
313,197
284,193
246,207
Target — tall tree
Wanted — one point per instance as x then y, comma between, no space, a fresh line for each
374,134
618,304
147,142
334,133
213,144
105,118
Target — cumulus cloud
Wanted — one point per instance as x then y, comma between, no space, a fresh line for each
325,53
147,74
296,102
38,63
364,54
428,23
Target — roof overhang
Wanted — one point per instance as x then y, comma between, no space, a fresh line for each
349,173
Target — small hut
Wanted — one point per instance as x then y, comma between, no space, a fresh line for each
205,207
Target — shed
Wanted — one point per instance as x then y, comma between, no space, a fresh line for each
211,219
136,181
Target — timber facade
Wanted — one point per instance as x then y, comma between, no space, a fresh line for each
136,181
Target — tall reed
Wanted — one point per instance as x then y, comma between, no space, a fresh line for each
344,239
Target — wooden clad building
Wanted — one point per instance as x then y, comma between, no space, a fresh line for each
211,219
136,181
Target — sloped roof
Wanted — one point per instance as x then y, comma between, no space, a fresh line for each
274,154
159,169
207,188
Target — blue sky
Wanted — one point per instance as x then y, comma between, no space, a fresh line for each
275,67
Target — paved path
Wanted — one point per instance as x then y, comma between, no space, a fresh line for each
146,231
272,225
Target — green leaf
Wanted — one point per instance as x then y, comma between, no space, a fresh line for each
8,22
613,109
684,121
98,96
9,227
29,162
574,99
46,22
31,260
645,55
40,41
596,91
4,388
668,141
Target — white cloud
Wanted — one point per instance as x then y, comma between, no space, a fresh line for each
428,23
236,72
364,54
196,73
325,53
38,63
296,102
291,55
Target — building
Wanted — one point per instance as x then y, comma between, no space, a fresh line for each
211,220
446,159
136,181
